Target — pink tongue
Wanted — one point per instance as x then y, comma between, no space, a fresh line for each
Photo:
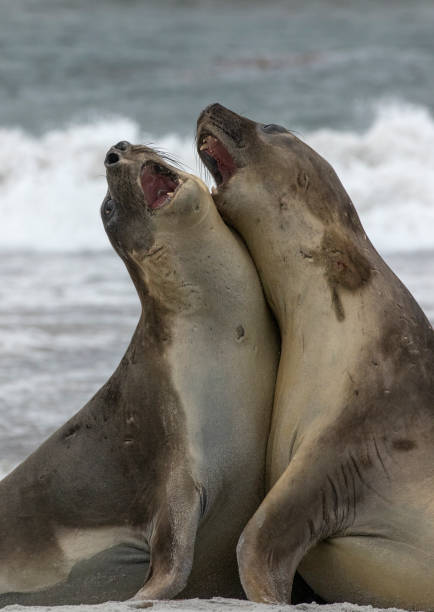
156,186
226,164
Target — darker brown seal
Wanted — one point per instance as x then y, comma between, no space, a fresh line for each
145,491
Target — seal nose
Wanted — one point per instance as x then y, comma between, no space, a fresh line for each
115,154
111,158
213,110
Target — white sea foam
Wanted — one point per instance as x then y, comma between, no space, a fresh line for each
389,173
51,186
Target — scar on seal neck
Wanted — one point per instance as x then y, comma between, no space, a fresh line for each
344,265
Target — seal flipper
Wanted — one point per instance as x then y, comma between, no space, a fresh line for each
173,540
305,506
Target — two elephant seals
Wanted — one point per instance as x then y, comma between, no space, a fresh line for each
351,453
146,490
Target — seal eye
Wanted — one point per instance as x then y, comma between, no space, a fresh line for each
272,128
107,208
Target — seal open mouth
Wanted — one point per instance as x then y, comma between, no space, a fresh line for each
159,184
216,158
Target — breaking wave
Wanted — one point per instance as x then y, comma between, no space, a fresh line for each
51,186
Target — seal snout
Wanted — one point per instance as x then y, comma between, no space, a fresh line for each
114,155
214,109
219,140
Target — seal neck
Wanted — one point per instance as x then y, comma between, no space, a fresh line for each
319,296
190,273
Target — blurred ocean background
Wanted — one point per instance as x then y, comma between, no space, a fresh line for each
354,79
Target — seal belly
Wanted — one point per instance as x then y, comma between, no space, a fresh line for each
371,570
113,574
386,558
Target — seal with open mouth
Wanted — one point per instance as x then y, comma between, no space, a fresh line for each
350,462
145,491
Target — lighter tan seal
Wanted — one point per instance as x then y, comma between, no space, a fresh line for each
145,491
351,451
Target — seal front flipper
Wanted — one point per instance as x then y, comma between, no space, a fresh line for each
172,539
306,505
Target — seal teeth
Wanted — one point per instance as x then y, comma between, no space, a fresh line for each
207,142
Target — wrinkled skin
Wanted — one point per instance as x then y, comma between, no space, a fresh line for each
350,465
145,491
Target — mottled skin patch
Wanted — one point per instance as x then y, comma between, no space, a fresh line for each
145,491
344,266
351,449
404,445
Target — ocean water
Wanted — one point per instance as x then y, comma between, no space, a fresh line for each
353,79
51,185
302,63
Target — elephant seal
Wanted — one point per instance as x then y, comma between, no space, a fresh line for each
145,491
350,462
